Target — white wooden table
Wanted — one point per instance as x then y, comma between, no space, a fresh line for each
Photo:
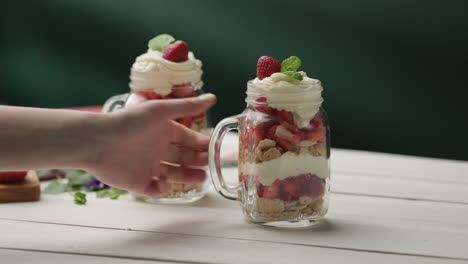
384,209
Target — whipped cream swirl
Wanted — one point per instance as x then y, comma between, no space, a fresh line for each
152,71
302,98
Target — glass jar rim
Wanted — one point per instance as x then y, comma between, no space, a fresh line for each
290,98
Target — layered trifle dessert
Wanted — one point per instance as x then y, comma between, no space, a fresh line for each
284,145
169,70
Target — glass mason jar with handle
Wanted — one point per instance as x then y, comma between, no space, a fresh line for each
179,192
284,150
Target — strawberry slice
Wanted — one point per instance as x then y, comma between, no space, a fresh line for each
262,107
186,121
291,128
261,129
318,134
271,191
169,96
285,196
286,116
12,176
260,189
287,136
316,123
291,187
183,92
150,95
312,186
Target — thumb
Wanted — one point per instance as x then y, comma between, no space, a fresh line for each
176,108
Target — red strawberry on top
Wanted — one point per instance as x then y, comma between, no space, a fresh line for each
12,176
266,66
176,52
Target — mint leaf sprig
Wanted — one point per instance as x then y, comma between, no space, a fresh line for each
160,42
290,66
78,181
80,198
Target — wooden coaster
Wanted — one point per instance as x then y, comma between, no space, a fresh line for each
27,190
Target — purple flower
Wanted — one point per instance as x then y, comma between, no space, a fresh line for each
96,184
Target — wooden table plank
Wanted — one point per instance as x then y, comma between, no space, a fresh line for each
357,223
12,256
399,166
121,243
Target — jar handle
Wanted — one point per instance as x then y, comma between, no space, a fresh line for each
114,103
226,125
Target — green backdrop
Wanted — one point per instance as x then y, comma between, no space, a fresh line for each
393,71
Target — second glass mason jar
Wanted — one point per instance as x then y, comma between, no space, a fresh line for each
284,168
179,192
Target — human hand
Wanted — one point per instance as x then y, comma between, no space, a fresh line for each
140,140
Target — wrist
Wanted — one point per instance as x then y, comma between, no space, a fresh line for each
93,139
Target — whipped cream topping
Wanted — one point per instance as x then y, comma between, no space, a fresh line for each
302,98
288,165
152,71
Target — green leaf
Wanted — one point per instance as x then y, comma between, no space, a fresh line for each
112,193
118,191
291,64
80,198
103,193
55,187
78,178
294,75
160,42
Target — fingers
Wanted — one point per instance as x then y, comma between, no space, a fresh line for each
156,187
173,174
184,156
188,138
176,108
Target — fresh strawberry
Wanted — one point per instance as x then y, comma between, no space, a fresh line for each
286,116
176,52
271,191
266,66
183,92
318,134
186,121
150,95
12,176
